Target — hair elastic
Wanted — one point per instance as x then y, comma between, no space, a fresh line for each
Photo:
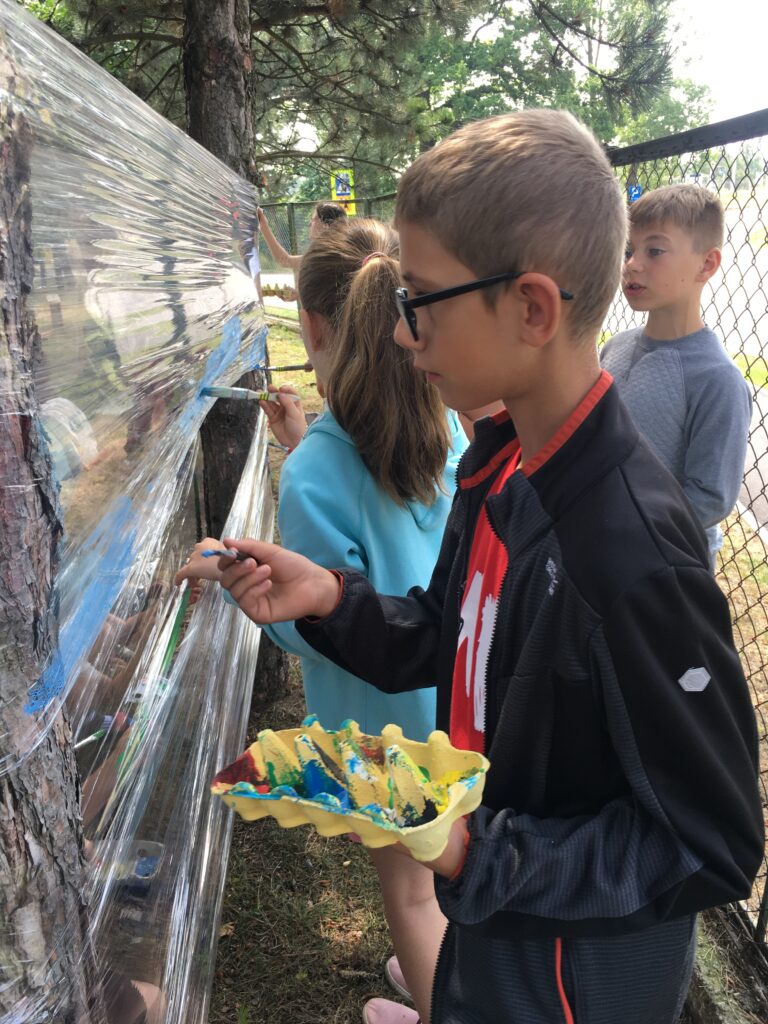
371,255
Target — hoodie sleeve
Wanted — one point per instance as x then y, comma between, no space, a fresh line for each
717,430
689,833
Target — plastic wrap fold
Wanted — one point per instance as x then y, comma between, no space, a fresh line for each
140,296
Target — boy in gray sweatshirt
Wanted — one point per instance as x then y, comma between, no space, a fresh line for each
682,389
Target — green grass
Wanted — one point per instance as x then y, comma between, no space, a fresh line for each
754,368
286,312
286,348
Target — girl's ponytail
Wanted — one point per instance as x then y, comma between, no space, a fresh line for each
396,420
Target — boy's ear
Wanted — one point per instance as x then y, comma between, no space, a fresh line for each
313,327
710,264
541,311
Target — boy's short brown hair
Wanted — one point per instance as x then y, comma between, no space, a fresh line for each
329,213
689,207
533,191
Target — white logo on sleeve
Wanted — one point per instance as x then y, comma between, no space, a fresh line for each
694,680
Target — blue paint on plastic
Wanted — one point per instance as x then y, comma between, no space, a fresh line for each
99,574
256,353
225,353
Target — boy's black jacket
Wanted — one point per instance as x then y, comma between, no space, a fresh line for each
616,797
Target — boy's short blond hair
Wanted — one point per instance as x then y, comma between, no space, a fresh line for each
532,191
689,207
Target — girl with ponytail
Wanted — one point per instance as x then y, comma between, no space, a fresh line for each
369,487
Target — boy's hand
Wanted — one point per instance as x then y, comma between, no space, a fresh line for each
286,418
275,585
451,860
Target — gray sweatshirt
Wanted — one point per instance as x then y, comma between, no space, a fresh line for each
689,400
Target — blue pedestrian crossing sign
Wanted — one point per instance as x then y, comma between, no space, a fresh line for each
343,188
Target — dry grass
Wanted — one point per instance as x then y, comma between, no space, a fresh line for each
744,578
303,938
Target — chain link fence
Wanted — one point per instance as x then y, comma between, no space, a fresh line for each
731,159
290,224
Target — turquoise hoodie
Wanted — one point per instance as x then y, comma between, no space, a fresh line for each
332,511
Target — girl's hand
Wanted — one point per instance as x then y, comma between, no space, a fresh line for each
275,585
197,568
286,418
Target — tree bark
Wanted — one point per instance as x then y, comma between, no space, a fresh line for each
217,76
46,970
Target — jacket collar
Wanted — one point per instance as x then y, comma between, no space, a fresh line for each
596,437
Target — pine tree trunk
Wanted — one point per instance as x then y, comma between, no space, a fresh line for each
217,76
45,962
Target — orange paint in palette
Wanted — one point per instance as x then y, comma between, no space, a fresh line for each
385,788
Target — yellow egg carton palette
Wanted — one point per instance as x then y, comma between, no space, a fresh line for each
386,789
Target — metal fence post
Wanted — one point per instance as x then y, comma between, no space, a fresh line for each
292,245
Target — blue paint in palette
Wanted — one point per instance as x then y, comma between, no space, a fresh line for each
318,783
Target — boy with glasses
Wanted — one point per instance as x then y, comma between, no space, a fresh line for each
573,629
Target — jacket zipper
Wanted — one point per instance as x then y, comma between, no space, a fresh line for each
440,951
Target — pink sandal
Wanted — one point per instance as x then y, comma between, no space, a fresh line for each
396,979
387,1011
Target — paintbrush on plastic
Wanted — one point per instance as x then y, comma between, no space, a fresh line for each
245,394
291,368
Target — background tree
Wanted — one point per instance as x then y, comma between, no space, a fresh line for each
217,67
377,81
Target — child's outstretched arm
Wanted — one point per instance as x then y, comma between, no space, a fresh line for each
271,584
279,254
391,642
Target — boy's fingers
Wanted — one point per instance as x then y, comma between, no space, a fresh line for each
243,570
251,588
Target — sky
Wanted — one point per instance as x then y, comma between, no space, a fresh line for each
725,44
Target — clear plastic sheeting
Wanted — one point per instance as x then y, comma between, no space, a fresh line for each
142,295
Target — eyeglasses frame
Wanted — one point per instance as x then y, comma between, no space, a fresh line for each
406,306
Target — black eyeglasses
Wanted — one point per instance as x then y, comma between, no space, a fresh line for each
406,306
